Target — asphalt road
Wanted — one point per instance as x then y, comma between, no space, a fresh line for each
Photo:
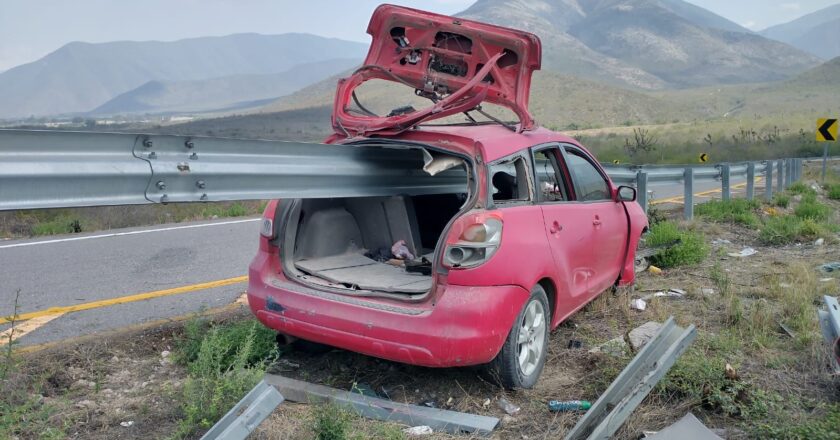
93,269
131,276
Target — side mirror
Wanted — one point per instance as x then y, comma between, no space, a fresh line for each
625,194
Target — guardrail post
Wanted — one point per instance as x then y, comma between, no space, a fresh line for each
768,180
799,169
726,192
750,180
780,182
788,172
688,195
641,188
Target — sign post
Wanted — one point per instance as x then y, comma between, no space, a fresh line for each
826,132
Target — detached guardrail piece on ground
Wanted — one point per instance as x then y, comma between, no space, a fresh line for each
634,383
452,422
830,324
244,418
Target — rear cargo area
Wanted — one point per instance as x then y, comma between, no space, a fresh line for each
368,243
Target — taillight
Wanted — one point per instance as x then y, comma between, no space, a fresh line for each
477,243
267,226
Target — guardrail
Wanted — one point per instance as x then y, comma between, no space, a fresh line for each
54,169
785,172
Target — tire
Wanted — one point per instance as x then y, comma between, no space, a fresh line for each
527,340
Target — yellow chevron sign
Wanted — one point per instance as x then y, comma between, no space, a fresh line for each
704,157
827,130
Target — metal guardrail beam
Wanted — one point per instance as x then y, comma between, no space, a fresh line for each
51,169
246,415
830,325
634,383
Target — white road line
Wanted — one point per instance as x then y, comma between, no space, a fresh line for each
120,234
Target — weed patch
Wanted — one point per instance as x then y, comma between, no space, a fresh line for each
740,211
781,200
809,208
833,191
690,249
223,364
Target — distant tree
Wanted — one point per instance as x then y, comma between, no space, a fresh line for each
642,141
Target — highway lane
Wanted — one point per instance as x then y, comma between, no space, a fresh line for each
178,269
94,268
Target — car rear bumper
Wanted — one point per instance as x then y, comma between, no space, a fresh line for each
456,326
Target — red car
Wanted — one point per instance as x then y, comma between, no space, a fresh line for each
473,273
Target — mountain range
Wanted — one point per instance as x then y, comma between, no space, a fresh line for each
81,77
633,45
817,33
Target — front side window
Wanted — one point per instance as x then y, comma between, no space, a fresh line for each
590,185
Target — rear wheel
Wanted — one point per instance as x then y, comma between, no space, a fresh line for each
521,360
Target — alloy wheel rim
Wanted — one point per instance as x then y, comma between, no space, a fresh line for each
531,338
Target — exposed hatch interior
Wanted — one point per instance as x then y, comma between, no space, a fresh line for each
373,244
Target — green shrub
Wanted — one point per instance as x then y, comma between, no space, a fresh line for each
780,230
813,210
781,200
61,225
331,422
833,191
228,337
691,248
227,363
800,188
699,375
823,425
735,210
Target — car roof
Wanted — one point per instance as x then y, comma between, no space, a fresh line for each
494,141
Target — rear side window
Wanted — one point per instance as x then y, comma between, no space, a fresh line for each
509,181
549,176
590,185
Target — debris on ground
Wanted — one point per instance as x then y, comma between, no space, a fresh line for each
819,242
640,335
419,430
720,242
707,291
687,428
654,270
509,408
574,344
831,267
830,326
730,372
787,330
127,424
670,293
569,405
638,304
745,252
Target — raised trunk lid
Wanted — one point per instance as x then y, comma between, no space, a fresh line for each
460,63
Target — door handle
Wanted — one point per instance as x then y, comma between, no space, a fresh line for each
597,221
556,227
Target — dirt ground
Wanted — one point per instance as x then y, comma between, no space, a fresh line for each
122,386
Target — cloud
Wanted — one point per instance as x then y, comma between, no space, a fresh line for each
794,6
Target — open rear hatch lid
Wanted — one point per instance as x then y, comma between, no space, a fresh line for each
456,63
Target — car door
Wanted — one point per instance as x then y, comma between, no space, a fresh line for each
568,230
603,221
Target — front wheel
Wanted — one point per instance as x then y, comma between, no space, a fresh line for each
521,360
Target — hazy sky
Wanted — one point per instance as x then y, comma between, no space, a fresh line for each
30,29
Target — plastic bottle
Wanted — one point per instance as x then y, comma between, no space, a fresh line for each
569,405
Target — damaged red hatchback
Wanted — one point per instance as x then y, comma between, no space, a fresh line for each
475,272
